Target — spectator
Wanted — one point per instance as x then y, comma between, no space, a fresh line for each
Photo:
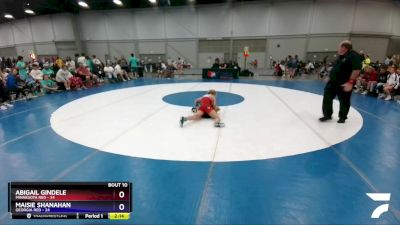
110,74
388,60
361,82
109,62
120,72
325,70
82,72
98,68
381,81
397,89
3,75
124,65
63,78
309,68
32,82
179,66
282,65
371,77
89,64
82,59
366,62
254,63
236,66
49,86
21,66
392,82
48,71
76,57
170,72
96,61
88,78
8,63
36,73
376,65
291,66
396,60
77,83
4,95
71,66
163,69
13,85
133,62
59,62
277,69
216,64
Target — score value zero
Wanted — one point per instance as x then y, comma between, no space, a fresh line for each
121,206
113,185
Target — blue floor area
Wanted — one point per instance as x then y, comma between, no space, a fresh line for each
322,187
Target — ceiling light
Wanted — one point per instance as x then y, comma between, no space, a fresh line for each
83,4
29,11
118,2
153,1
9,16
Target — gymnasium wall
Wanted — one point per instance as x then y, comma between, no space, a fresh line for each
37,34
298,27
394,46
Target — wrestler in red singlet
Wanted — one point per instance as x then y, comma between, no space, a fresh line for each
206,104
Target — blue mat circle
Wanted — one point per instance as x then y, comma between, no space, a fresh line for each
187,98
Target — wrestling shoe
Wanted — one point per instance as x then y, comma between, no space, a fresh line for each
219,124
325,118
341,120
181,121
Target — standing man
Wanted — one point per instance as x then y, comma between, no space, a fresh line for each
21,66
341,80
292,65
133,62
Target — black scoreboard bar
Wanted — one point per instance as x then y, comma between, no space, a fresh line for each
70,200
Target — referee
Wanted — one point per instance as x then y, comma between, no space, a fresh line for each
341,81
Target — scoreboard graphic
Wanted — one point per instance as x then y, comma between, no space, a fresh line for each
70,200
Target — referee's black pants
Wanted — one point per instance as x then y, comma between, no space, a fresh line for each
332,90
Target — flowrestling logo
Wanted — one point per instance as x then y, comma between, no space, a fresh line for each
379,197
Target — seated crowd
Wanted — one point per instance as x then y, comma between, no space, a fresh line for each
27,80
382,82
376,79
292,67
20,80
171,67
